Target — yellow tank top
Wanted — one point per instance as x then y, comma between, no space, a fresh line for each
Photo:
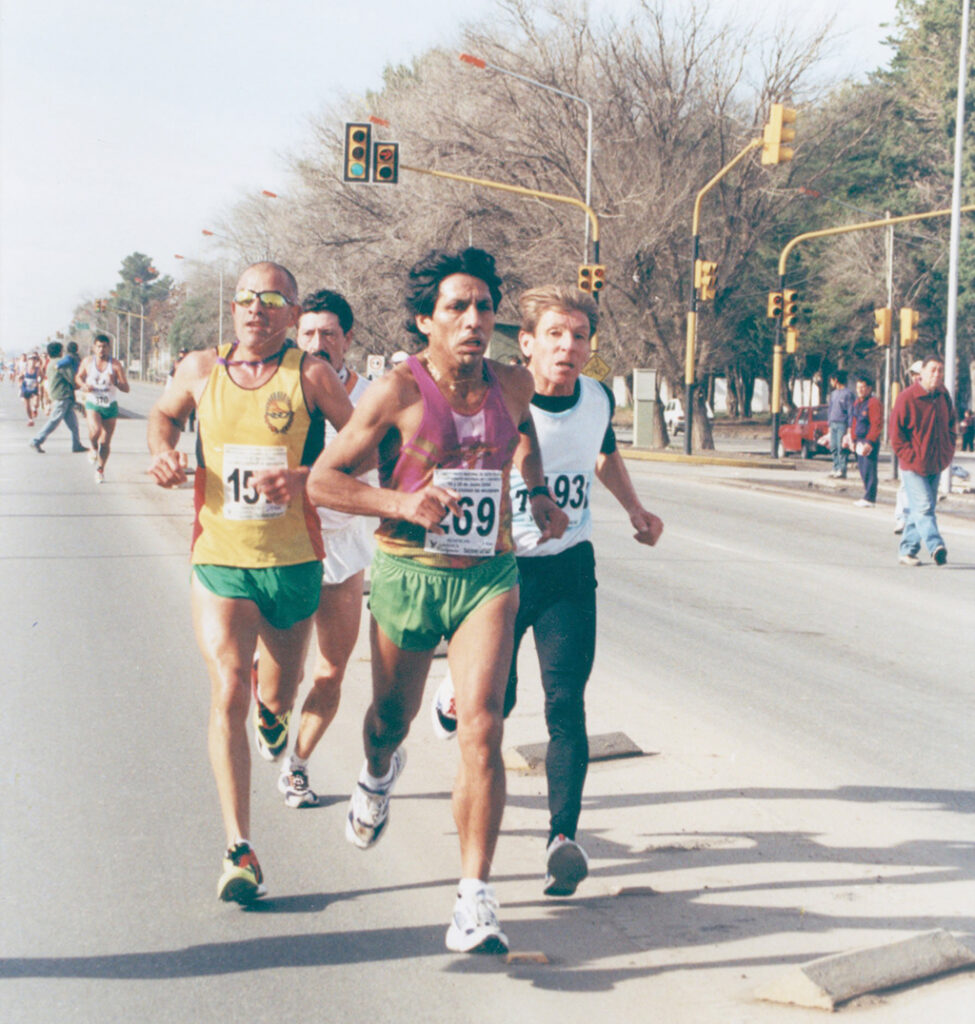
240,431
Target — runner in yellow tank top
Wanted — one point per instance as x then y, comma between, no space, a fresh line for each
258,403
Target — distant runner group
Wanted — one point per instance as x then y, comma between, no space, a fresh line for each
479,474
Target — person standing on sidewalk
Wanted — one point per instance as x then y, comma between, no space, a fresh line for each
573,419
60,388
839,407
257,545
447,425
866,426
923,434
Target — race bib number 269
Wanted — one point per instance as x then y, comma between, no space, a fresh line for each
475,531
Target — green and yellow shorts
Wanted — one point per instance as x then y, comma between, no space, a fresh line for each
417,605
284,594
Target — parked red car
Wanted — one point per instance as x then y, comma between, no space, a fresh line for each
807,432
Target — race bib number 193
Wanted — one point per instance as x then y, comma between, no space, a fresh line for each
241,499
475,531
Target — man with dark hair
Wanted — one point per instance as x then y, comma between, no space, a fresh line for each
447,425
100,378
838,407
256,549
325,330
866,426
60,388
573,420
923,433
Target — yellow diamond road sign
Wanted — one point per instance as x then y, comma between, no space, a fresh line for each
595,367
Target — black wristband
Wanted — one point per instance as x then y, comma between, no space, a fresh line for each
537,492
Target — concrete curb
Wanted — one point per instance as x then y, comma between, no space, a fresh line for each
830,980
739,461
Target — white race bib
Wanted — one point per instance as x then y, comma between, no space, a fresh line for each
475,531
241,499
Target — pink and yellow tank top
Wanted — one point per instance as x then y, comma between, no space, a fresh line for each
241,431
470,454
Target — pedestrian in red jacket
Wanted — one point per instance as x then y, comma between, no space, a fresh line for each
923,433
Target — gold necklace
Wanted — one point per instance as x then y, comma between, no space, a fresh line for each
454,385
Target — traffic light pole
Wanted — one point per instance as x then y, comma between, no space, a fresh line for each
775,395
689,356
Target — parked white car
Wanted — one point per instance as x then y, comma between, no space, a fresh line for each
674,415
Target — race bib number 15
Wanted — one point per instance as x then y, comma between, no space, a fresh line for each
475,531
241,499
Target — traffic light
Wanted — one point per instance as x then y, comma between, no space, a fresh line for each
776,132
774,305
881,333
385,165
909,319
705,279
357,151
790,307
791,339
592,277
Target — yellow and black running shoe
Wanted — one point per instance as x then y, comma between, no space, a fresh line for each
242,880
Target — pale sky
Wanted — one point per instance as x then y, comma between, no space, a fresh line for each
131,127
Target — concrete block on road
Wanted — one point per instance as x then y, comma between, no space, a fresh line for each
830,980
607,746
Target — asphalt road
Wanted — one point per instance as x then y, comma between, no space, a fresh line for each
804,704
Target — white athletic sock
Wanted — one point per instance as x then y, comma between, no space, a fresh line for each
468,887
371,782
297,762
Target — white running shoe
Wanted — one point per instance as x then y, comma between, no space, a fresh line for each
293,782
566,866
92,456
99,475
443,710
474,926
369,808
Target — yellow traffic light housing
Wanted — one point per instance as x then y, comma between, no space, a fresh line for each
598,277
909,319
883,318
584,280
705,279
790,307
592,277
774,305
791,339
776,132
357,152
385,166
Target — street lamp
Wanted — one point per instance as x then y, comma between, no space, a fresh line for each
213,234
477,62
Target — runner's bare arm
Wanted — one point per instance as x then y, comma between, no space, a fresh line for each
167,416
612,472
332,482
121,380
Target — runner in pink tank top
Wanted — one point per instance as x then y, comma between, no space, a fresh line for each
446,427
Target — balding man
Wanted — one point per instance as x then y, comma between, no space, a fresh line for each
257,550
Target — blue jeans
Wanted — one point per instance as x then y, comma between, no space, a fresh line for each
922,498
867,464
62,409
839,453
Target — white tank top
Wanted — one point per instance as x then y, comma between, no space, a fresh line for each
102,383
355,386
570,442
